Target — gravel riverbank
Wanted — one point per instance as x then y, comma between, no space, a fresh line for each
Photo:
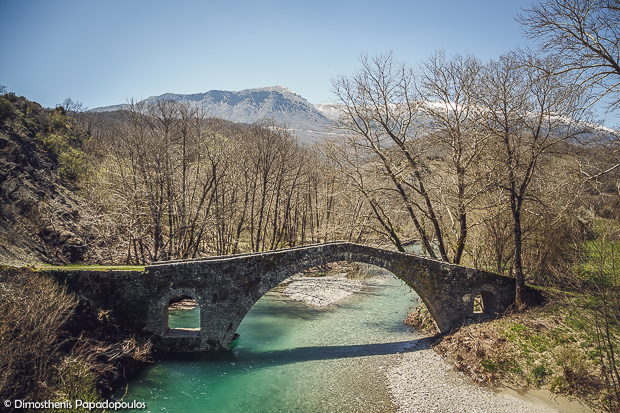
321,291
419,379
422,381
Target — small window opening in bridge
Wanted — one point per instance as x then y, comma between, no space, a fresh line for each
485,303
183,313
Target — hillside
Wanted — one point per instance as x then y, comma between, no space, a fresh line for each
59,205
40,218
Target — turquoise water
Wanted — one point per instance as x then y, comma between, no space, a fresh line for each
291,357
184,318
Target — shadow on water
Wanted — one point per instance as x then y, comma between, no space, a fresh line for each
336,352
302,354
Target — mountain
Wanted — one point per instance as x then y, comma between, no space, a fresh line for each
331,111
304,119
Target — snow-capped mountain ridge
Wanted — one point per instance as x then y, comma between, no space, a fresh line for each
251,105
309,122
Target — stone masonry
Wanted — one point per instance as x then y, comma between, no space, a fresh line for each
227,287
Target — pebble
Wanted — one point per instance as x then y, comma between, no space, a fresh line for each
321,291
422,381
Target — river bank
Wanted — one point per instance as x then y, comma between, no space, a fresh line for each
419,379
423,381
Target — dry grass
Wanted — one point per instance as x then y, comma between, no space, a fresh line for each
420,319
33,310
39,359
539,347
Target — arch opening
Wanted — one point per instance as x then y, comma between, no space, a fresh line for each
182,314
322,285
485,303
277,266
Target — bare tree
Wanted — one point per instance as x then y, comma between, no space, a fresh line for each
163,170
363,172
449,89
529,111
584,35
73,107
381,106
172,183
76,110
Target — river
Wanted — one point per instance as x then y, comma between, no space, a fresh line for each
291,357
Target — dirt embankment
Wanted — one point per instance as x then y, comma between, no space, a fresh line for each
40,213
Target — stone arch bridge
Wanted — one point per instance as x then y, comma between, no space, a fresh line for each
227,287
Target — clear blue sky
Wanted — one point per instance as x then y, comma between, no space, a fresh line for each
104,52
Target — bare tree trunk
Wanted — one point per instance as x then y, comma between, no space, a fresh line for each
518,264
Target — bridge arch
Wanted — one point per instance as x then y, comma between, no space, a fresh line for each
226,288
289,268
